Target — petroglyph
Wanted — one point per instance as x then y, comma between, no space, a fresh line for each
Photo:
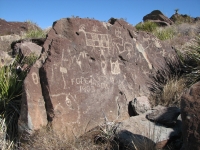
95,39
63,70
103,62
156,42
128,47
91,84
95,28
141,49
115,68
35,78
69,101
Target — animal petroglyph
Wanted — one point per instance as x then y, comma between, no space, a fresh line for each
35,78
141,49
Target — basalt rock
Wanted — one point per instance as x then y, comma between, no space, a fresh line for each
190,113
158,17
92,72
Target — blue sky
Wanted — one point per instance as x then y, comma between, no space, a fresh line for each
45,12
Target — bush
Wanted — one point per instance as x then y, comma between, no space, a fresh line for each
146,26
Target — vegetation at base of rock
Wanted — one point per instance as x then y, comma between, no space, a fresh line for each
11,82
169,83
147,26
46,138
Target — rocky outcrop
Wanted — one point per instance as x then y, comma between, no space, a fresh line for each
158,17
179,18
140,105
140,133
92,72
190,113
6,41
164,115
9,28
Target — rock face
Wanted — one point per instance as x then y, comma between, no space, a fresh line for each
158,17
190,113
92,72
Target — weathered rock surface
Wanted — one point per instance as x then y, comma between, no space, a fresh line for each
139,133
140,105
27,48
5,59
164,115
92,72
6,40
9,28
158,17
190,113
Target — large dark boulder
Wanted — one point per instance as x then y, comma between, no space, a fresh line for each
88,73
158,17
190,113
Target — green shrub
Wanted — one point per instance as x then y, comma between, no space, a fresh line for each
146,26
36,33
164,33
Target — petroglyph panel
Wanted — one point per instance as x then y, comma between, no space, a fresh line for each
94,69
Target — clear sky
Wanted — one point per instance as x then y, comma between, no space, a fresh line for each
45,12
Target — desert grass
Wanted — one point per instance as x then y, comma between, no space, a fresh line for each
147,26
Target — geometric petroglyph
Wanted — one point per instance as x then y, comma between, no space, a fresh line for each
94,39
35,78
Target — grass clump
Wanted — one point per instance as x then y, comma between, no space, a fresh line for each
34,31
164,33
11,81
147,26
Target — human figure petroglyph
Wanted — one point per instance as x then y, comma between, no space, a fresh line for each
128,47
115,68
35,78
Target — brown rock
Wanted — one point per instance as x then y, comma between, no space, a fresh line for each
140,104
164,115
92,72
8,28
140,133
190,113
158,17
